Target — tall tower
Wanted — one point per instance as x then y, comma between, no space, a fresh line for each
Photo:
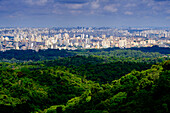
17,45
0,45
49,32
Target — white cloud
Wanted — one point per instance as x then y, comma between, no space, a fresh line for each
111,8
36,2
95,4
128,13
74,6
75,12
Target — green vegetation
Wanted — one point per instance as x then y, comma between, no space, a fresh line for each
109,53
87,82
145,91
92,67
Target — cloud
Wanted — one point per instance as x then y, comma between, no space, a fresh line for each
95,4
128,13
155,9
75,12
111,8
36,2
74,6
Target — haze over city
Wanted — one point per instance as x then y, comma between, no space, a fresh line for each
70,13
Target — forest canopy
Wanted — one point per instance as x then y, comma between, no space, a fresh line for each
86,81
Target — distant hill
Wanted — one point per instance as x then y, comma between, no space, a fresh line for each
26,55
50,87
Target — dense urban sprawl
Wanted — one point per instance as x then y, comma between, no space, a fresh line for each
80,37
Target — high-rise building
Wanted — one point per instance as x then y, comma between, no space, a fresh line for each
122,43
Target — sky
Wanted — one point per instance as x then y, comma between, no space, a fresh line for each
84,13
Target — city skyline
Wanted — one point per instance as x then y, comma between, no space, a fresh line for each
69,13
81,38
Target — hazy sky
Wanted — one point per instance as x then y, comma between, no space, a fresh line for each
68,13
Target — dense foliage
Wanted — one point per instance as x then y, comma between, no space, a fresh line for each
33,55
145,52
93,82
139,92
92,67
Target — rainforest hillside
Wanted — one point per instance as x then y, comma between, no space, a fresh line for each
109,80
86,84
